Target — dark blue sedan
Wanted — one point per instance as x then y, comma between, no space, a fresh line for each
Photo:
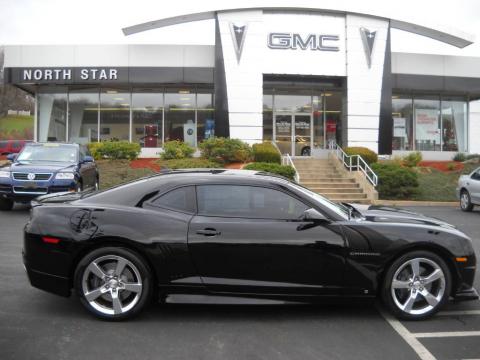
43,168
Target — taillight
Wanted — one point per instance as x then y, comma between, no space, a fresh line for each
50,240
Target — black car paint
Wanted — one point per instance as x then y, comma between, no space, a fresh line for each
247,257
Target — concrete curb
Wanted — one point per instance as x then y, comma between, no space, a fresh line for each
416,203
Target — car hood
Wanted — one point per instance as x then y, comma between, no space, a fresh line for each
39,167
386,214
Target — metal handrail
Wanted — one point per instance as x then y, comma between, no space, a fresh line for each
287,160
358,165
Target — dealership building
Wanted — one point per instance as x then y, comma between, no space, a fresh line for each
304,78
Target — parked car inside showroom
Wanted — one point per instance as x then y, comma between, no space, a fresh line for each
43,168
468,190
239,233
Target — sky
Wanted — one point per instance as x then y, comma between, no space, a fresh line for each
101,21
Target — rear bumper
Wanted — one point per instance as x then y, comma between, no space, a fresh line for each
52,283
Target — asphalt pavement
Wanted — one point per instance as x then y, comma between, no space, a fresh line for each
37,325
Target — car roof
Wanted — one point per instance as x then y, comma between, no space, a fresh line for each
130,193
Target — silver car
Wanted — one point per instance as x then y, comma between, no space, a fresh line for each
468,190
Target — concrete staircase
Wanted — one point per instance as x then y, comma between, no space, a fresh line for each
323,177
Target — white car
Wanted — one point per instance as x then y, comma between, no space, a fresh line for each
468,190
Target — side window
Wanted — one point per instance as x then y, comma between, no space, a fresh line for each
247,202
476,175
180,199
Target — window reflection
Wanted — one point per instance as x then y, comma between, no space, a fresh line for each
454,125
83,116
180,116
427,124
52,117
147,118
205,116
114,115
402,123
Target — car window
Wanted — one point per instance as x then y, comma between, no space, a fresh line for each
476,175
247,202
180,199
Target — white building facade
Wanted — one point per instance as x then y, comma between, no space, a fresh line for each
306,79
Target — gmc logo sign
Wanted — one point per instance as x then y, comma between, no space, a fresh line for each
296,41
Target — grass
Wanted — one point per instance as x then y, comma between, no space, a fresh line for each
435,185
16,122
116,172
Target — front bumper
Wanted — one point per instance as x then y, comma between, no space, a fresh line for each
23,192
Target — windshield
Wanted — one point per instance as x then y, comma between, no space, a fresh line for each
49,152
339,209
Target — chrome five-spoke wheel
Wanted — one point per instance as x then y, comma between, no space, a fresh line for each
417,285
113,283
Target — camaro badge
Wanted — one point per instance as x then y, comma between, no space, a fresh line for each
238,36
368,39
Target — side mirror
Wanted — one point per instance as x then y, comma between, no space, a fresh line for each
88,159
11,157
314,215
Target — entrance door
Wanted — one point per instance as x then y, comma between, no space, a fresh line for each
293,133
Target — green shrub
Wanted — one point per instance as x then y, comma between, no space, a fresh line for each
176,149
114,150
394,181
283,170
412,159
93,148
190,163
225,150
460,157
368,155
266,152
472,157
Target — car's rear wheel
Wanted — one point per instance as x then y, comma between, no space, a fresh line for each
6,204
113,283
416,285
465,201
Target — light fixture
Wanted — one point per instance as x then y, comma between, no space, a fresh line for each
111,91
118,98
185,98
125,104
327,94
184,91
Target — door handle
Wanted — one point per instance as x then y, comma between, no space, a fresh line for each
208,232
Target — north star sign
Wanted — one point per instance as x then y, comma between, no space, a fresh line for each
67,74
296,41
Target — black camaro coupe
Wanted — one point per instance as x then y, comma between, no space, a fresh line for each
242,234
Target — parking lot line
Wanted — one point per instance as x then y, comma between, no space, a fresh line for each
458,312
446,334
409,338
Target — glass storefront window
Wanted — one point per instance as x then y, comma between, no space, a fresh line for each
427,124
318,122
180,116
205,116
52,116
147,118
83,116
114,114
333,118
402,122
454,125
293,103
267,117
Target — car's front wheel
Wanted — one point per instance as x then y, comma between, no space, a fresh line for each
113,283
465,201
6,204
416,285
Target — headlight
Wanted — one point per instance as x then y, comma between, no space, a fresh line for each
65,176
4,174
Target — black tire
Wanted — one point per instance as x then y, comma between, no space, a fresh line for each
390,298
6,204
465,201
134,301
79,187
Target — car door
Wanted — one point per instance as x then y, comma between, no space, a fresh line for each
474,186
251,239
